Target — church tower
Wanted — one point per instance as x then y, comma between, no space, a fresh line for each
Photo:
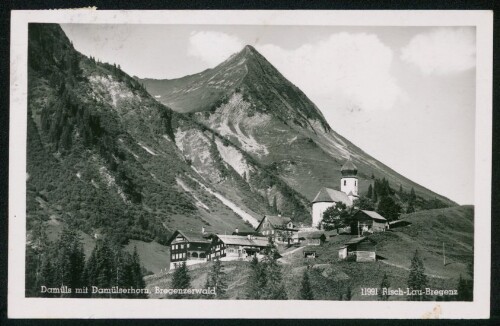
349,181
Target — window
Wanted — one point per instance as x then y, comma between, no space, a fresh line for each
182,246
187,246
345,182
355,182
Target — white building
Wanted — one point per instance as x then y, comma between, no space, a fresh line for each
328,197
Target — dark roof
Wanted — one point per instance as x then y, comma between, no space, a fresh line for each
349,169
331,195
244,233
373,215
190,236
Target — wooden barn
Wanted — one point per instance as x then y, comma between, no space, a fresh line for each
187,246
362,248
367,222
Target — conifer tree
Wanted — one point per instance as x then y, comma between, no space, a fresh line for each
274,289
417,280
410,208
413,196
217,279
257,280
69,261
369,194
306,292
181,279
348,293
464,289
384,285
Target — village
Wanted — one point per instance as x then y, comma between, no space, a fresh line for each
189,247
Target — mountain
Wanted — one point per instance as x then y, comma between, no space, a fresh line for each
252,105
104,157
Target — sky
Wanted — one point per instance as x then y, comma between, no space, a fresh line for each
405,95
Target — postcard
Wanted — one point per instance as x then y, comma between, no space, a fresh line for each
250,164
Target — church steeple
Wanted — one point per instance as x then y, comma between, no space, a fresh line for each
349,181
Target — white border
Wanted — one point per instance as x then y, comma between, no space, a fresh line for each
21,307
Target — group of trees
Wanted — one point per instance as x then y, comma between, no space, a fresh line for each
216,279
266,279
62,263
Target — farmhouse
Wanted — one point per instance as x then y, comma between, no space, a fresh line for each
328,197
190,247
280,228
362,248
366,222
235,247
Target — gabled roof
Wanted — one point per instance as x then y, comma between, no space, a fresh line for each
190,236
329,195
243,241
275,220
355,240
374,215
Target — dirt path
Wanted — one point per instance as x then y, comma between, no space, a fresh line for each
407,269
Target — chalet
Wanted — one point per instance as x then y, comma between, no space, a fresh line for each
190,247
280,228
309,238
366,222
235,247
362,248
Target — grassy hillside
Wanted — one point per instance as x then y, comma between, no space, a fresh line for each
331,278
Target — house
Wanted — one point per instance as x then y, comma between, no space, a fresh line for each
362,248
190,247
366,222
309,238
280,228
328,197
235,247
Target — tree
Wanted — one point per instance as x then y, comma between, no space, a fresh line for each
336,216
257,280
348,293
216,278
410,209
388,208
464,289
417,280
274,289
384,285
364,203
413,197
181,279
369,193
306,292
69,260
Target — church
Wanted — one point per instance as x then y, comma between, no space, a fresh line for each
328,197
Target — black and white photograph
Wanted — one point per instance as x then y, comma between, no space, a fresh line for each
235,158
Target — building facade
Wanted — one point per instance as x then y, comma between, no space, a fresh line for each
278,227
367,222
361,249
189,247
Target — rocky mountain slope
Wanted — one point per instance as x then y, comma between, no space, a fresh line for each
249,103
105,157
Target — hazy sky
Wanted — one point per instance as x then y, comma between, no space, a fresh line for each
405,95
